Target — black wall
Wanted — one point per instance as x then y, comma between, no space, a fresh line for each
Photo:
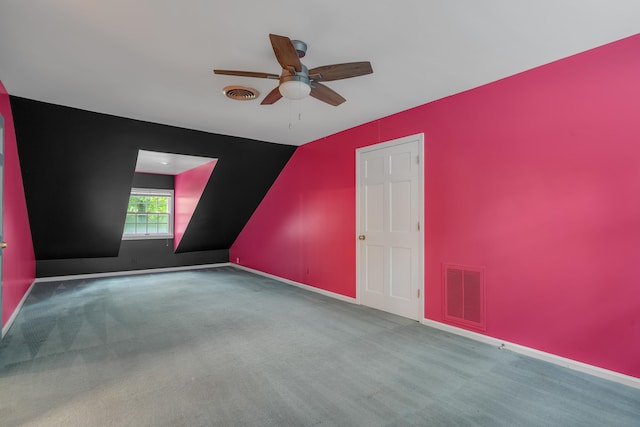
151,180
78,170
133,255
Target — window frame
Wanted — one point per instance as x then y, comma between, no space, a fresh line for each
151,192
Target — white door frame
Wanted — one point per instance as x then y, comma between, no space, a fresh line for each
2,167
359,152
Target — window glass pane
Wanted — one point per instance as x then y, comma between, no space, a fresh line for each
141,228
163,219
152,219
141,219
152,228
130,219
163,228
137,204
129,228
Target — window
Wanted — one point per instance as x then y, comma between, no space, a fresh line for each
149,214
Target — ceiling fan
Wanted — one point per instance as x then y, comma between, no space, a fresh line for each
296,80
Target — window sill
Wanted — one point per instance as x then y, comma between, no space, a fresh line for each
147,236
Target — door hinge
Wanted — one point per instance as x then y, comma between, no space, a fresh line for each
418,292
418,225
418,159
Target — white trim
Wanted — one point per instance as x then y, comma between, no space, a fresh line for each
13,316
170,194
298,284
130,272
147,236
398,141
537,354
152,191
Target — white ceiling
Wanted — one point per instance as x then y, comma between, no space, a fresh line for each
152,60
167,163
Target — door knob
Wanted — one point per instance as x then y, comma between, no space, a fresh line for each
3,245
362,237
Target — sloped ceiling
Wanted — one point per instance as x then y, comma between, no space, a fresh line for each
153,60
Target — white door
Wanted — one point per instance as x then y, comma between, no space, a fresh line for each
390,240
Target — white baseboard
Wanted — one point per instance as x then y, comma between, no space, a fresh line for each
130,272
537,354
298,284
501,344
13,316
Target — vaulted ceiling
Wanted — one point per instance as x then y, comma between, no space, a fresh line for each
153,61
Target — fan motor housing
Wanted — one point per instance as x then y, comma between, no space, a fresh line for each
301,47
302,76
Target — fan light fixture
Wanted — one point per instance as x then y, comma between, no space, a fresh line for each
294,89
296,81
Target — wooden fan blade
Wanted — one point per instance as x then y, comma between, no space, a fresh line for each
247,74
272,97
340,71
285,52
325,94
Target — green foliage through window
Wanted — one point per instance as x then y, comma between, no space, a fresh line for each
149,214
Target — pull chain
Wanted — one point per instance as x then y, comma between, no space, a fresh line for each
290,114
299,104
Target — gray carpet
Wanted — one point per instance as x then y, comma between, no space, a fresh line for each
225,347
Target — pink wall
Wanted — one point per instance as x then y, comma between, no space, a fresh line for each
535,177
188,188
18,260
